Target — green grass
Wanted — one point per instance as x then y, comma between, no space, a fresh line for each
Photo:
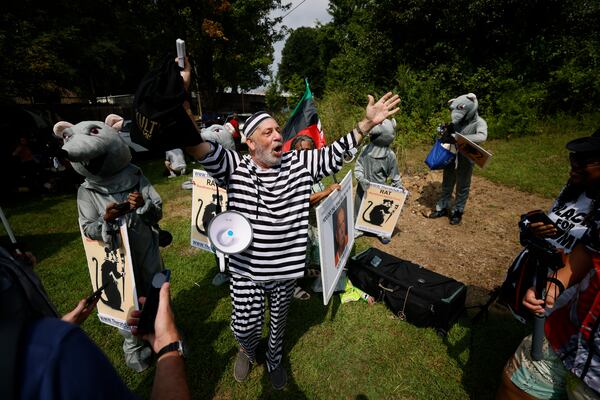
349,351
535,164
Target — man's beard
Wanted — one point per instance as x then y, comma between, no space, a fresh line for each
265,156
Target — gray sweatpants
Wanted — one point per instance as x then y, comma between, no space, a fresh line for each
461,177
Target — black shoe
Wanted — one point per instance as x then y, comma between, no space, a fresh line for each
241,369
455,218
278,377
438,214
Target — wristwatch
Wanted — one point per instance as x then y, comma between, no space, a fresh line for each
364,134
178,346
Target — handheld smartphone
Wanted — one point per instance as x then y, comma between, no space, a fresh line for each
540,216
94,296
180,45
146,323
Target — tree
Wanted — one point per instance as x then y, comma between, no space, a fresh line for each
302,56
489,47
93,48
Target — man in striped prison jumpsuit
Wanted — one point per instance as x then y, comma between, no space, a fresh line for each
272,189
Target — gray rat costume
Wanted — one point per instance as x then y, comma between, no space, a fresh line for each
468,123
98,153
377,162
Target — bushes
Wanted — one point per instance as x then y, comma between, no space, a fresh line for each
517,112
339,111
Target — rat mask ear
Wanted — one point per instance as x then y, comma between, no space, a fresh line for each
60,126
114,121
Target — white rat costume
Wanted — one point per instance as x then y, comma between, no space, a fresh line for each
97,152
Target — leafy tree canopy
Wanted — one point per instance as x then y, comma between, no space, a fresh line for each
545,53
92,48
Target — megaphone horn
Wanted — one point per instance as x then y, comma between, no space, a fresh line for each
230,232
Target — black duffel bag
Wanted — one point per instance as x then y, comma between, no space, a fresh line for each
413,293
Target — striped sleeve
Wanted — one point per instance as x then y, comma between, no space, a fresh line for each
220,162
329,159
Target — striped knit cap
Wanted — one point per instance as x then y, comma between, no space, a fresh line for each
253,121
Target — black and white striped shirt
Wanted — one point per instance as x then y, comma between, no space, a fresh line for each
275,201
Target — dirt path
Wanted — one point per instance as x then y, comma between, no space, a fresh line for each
476,252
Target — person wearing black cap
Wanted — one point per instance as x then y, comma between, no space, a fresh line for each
571,351
271,188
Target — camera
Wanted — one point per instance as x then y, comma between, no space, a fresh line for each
446,131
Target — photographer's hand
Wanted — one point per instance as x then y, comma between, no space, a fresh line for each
541,230
80,313
165,331
169,381
533,304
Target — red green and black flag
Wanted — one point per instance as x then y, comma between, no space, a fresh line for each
304,121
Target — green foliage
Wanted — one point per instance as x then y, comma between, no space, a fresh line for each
520,68
295,86
92,48
518,111
540,163
301,56
274,101
339,111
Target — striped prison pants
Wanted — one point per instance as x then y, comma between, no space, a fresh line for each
248,300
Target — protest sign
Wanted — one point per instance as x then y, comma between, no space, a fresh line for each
205,205
380,209
113,270
472,151
335,221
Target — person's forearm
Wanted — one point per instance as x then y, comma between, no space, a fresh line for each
199,151
577,265
364,127
317,197
169,380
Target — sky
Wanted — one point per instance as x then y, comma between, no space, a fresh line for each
307,14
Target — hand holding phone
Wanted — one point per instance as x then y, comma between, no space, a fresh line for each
96,295
180,45
547,228
146,322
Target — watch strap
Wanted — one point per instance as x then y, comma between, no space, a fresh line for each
175,346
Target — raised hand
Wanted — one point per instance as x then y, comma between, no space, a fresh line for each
186,73
377,112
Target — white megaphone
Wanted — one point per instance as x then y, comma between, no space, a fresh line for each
230,233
